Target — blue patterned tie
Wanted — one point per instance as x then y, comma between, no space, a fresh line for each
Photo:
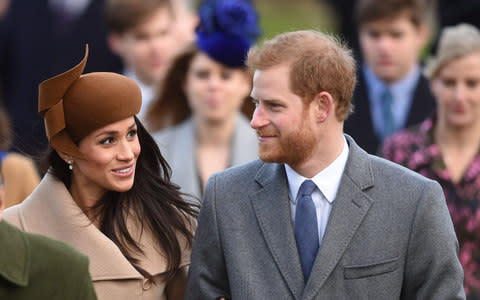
387,114
306,228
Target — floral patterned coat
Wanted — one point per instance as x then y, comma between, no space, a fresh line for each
415,149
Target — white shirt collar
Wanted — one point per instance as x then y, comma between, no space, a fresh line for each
327,180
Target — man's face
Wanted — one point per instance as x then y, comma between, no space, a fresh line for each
148,48
284,124
391,46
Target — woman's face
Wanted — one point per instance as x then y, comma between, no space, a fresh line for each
111,154
457,90
215,92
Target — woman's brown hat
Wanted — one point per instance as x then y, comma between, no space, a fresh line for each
74,105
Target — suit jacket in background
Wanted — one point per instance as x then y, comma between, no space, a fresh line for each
36,267
51,211
178,145
32,49
389,236
360,125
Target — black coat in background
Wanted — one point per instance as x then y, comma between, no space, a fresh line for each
33,47
360,124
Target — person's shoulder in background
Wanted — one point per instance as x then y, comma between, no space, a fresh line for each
37,267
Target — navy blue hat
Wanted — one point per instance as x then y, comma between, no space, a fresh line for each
227,30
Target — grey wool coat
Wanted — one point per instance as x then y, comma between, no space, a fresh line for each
177,145
389,236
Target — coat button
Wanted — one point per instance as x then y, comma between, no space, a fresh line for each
147,284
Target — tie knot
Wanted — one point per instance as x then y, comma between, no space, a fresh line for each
307,188
387,96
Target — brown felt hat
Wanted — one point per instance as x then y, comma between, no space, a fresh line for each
74,105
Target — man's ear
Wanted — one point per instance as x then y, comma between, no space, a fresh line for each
323,106
114,42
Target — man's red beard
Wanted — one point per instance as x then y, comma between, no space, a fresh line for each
292,149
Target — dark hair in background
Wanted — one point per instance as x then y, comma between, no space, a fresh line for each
372,10
122,15
5,130
171,107
154,200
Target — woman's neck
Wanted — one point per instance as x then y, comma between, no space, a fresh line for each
458,146
85,198
456,137
214,133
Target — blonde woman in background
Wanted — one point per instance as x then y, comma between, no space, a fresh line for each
446,146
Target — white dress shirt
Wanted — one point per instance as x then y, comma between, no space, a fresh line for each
327,182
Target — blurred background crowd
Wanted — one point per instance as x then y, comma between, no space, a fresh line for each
430,124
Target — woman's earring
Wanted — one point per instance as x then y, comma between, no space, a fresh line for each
70,166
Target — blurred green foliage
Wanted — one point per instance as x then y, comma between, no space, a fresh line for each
278,16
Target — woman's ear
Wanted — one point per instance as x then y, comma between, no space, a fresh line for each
323,106
66,157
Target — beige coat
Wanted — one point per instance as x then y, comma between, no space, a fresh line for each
51,211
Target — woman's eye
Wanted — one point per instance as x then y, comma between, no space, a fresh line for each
106,141
202,74
132,133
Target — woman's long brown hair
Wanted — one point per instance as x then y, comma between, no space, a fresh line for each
153,200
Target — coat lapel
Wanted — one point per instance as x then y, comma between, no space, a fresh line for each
182,153
51,211
272,208
349,209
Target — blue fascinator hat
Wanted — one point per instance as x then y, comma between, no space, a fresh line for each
227,30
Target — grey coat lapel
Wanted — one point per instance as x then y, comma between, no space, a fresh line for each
182,155
349,209
272,208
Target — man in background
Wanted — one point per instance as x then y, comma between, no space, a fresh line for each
391,92
146,35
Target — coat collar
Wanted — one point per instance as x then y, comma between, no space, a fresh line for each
183,157
271,206
350,208
14,255
51,211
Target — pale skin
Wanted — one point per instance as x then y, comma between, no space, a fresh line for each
147,48
456,87
391,46
110,156
215,94
281,110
